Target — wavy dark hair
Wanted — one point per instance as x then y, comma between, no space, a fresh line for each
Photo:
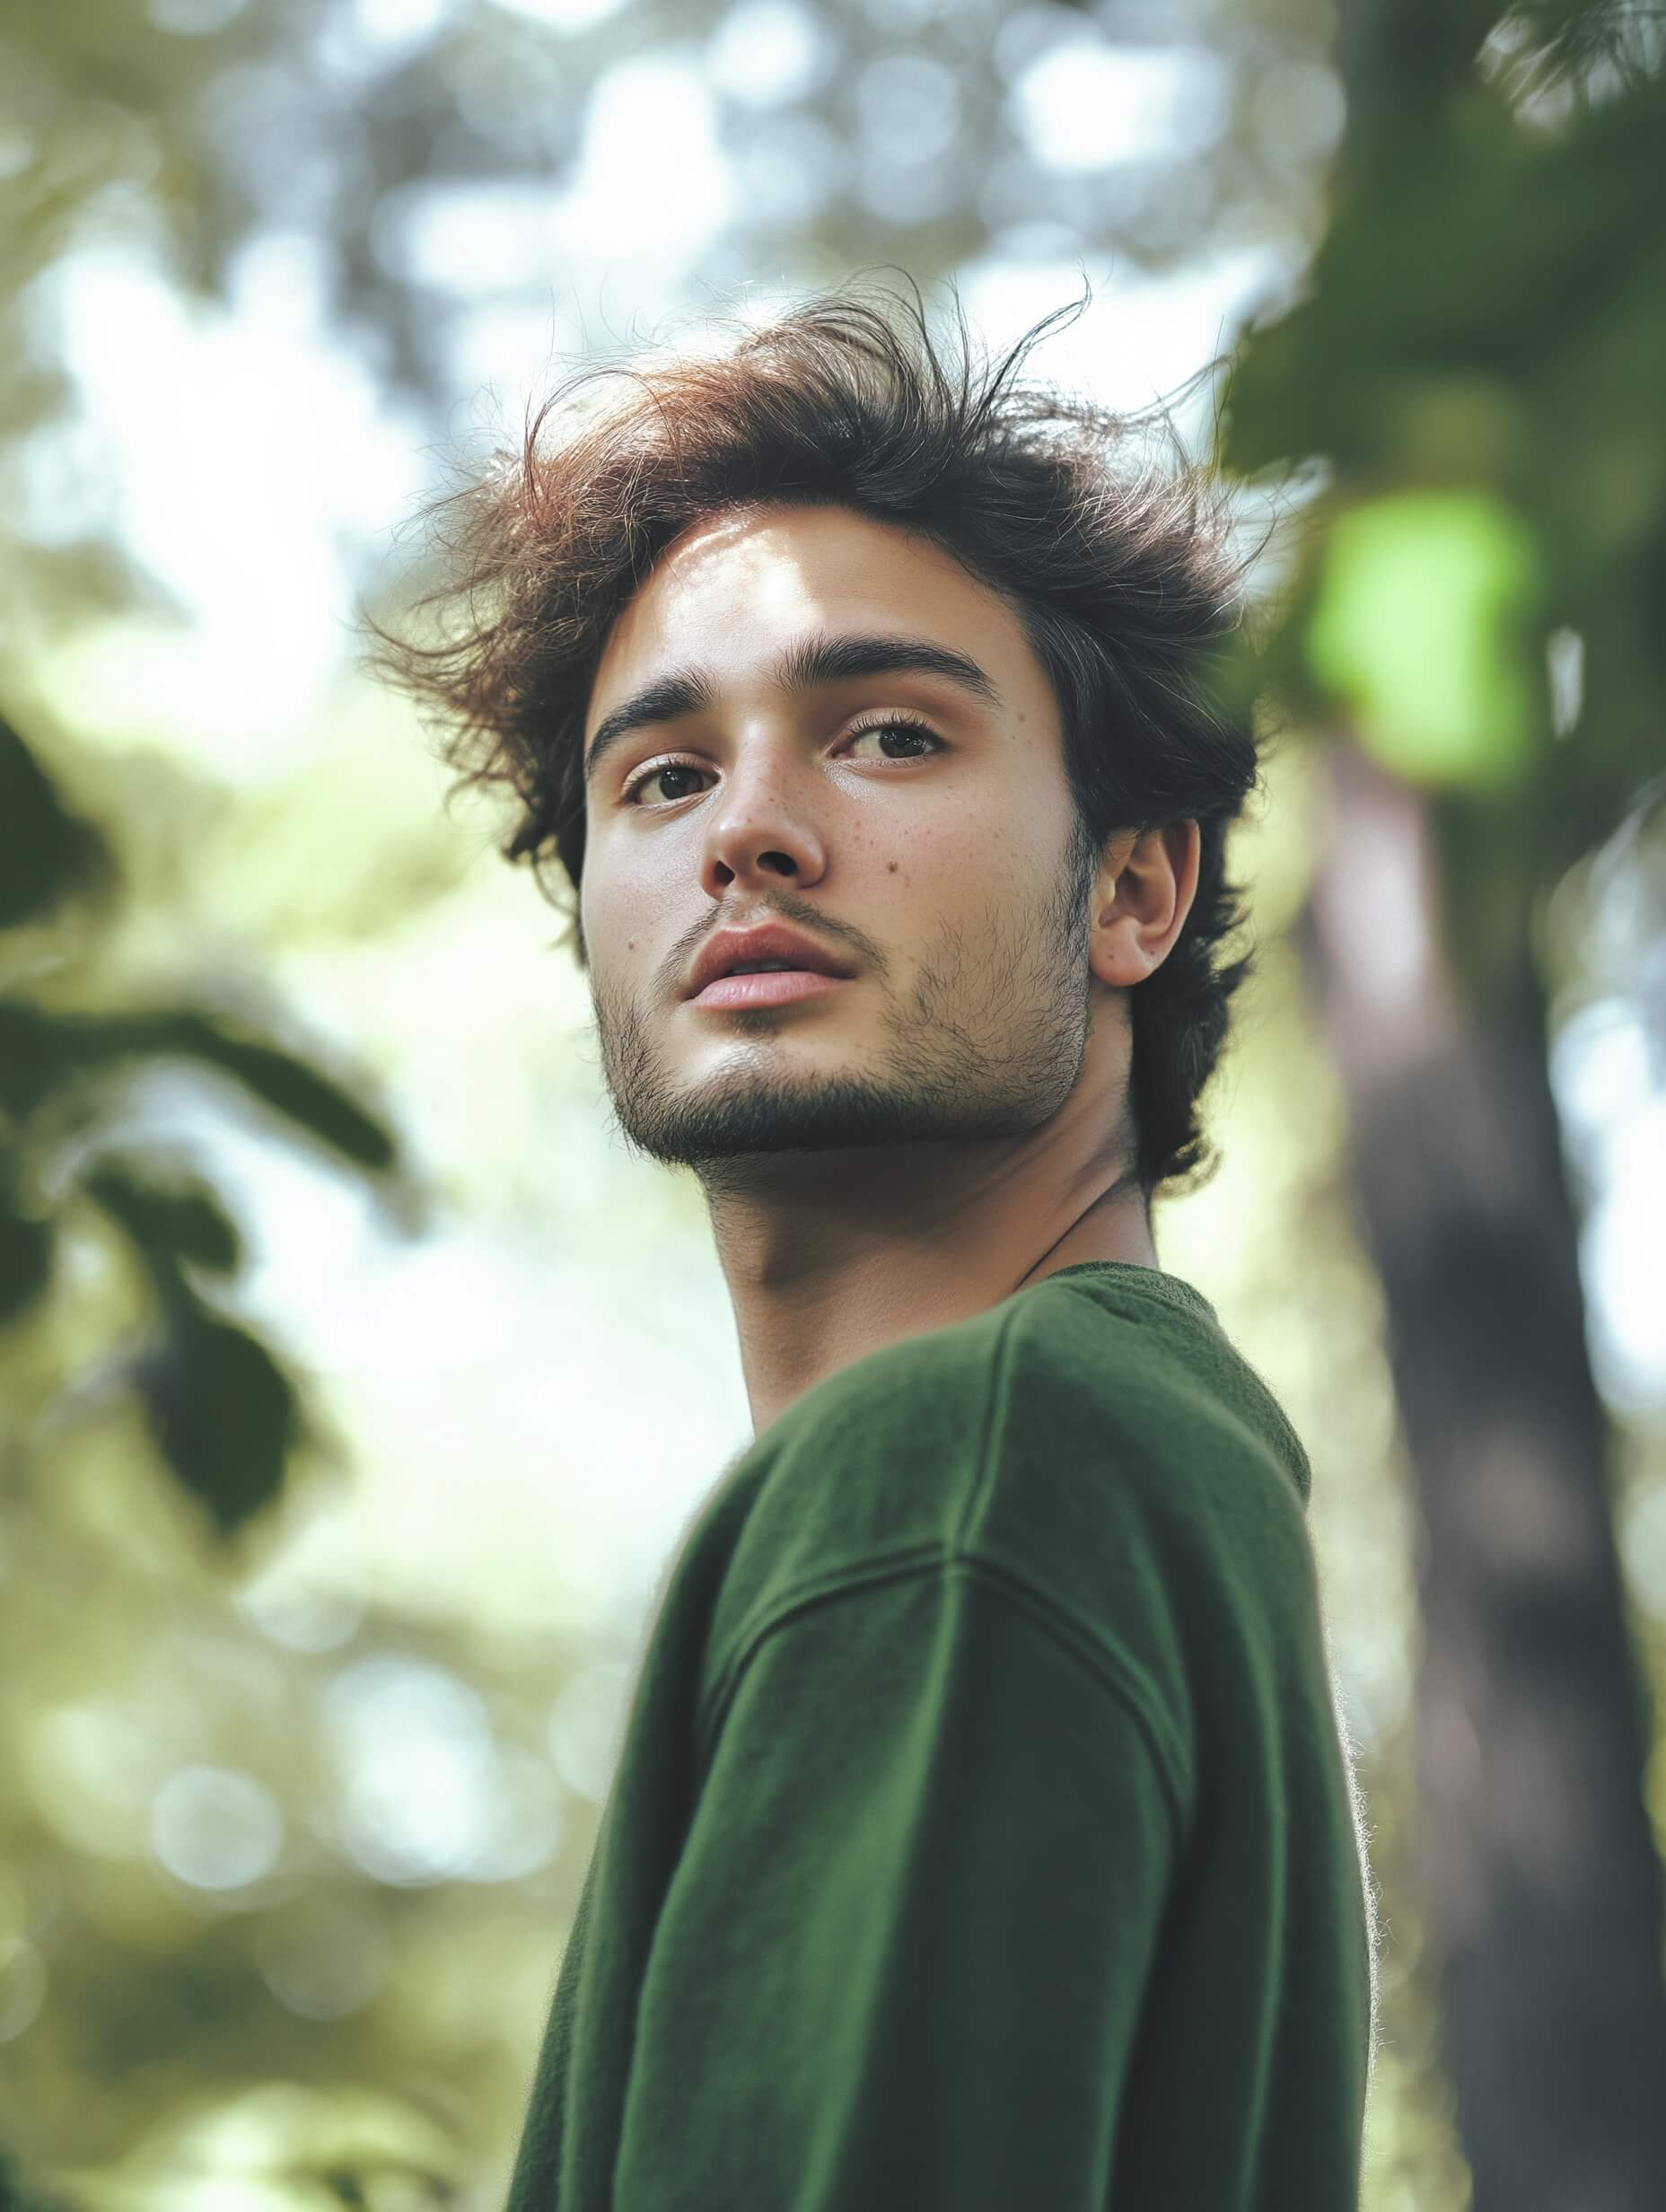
1116,559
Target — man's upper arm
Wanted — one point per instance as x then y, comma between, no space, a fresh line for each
902,1958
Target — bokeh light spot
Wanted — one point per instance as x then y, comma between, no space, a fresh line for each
215,1828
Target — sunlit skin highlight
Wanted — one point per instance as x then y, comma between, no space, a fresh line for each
904,1151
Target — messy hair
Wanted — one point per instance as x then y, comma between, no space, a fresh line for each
1117,562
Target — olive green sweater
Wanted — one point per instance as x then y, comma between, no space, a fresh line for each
983,1836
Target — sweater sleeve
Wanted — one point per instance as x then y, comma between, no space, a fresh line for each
902,1958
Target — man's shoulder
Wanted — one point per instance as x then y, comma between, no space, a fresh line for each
1098,1370
1134,1457
1093,1447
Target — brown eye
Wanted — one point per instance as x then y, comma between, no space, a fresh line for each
891,726
666,768
899,726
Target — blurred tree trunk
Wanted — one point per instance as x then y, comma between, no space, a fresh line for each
1535,1855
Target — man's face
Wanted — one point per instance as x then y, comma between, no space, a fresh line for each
934,861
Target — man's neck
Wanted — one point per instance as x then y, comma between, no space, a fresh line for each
828,1259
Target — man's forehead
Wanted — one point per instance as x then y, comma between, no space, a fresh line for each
797,567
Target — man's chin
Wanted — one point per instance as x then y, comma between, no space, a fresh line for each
735,1122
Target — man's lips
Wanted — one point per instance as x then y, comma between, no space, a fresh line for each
769,986
728,950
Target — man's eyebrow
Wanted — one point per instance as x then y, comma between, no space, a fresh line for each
813,661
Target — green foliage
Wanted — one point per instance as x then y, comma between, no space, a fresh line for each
168,1226
146,2032
223,1412
43,1053
16,2196
46,852
225,1417
1478,358
25,1250
1418,627
1477,362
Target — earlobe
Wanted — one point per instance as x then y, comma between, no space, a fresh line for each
1146,895
1119,958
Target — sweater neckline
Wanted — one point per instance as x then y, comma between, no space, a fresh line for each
1171,1290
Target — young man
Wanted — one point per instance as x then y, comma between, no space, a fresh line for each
983,1837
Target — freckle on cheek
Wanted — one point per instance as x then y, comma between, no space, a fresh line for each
893,867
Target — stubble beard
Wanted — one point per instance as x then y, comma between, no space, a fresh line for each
989,1043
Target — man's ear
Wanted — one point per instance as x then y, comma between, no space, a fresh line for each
1142,895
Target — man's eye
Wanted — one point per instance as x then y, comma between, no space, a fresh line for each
897,725
666,768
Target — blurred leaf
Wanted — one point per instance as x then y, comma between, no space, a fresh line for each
32,1064
41,1048
16,2195
1421,631
1466,249
46,852
25,1261
223,1414
168,1226
294,1090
